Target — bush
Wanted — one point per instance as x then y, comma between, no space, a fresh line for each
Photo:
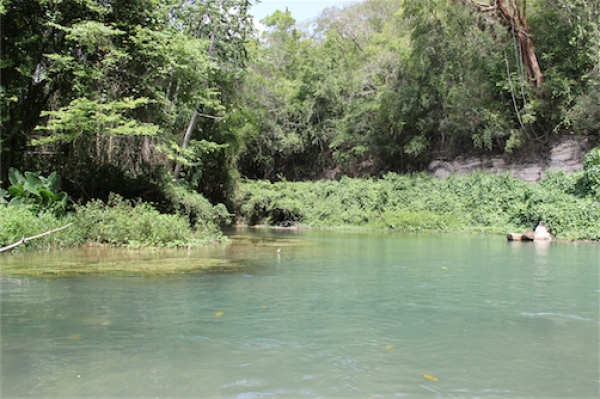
119,222
480,202
591,168
22,221
200,213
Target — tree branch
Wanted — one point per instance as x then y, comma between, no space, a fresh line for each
25,239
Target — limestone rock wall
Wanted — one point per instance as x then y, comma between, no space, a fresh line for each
567,155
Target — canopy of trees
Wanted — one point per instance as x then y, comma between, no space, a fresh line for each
103,90
125,95
385,85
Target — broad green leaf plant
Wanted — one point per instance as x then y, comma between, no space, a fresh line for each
39,193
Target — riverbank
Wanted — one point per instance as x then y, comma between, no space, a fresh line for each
478,203
116,223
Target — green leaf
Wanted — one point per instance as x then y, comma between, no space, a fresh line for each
32,184
15,177
17,190
53,182
17,201
48,195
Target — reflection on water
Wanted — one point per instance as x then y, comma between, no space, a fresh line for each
334,315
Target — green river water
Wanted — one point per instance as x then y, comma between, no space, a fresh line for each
331,315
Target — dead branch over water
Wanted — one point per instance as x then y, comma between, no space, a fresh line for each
26,239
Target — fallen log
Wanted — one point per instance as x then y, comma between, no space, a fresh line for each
25,239
527,236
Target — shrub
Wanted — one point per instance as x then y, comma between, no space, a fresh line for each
19,222
480,202
119,222
200,213
591,168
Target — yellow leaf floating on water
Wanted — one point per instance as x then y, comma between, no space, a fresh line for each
218,314
444,268
75,337
429,377
389,347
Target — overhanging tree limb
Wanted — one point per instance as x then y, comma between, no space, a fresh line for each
188,135
25,239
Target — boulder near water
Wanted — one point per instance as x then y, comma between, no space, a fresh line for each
542,233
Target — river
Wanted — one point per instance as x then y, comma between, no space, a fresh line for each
309,314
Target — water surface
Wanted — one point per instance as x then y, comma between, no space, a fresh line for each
331,315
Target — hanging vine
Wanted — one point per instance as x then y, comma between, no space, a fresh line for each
513,15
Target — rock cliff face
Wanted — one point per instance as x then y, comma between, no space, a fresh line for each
567,155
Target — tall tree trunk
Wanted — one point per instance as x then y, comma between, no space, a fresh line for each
514,16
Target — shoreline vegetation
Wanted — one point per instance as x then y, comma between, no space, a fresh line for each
187,220
478,203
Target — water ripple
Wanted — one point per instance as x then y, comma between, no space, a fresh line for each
562,315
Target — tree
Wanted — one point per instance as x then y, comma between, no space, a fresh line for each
225,24
94,86
28,33
513,15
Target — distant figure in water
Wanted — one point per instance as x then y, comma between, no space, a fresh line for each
541,232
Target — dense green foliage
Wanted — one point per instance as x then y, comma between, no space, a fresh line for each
118,222
591,166
39,192
477,203
22,221
170,102
386,85
125,91
93,86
